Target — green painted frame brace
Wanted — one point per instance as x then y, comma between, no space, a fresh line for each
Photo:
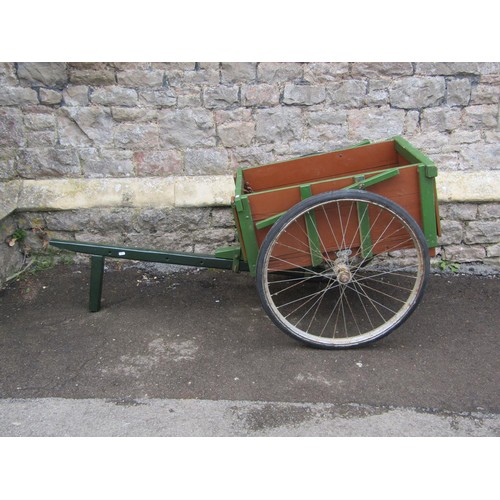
226,258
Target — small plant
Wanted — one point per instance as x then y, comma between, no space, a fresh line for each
67,259
19,235
448,265
43,262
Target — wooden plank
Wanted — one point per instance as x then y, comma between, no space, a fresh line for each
322,167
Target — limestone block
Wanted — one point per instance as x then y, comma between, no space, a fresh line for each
233,115
460,137
199,75
412,123
138,115
253,155
188,99
483,116
114,96
39,121
493,250
375,123
76,95
458,92
306,95
48,96
347,94
271,72
238,72
8,74
157,163
447,68
486,93
12,133
49,74
236,134
440,119
417,92
480,187
41,138
381,69
465,253
207,241
489,210
87,126
164,98
482,231
140,78
212,191
480,156
261,95
40,128
324,72
7,163
378,92
222,217
325,134
170,220
326,117
278,124
184,128
17,96
92,77
106,163
452,232
136,135
459,211
9,193
73,194
206,161
220,97
34,163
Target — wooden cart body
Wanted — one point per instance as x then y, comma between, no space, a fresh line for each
392,168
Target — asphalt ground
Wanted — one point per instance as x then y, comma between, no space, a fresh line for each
192,353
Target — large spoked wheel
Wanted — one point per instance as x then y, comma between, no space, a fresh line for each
342,269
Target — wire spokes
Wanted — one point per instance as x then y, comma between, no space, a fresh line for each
335,280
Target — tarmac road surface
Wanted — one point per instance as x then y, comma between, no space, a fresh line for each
193,354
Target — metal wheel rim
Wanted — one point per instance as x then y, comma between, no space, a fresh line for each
372,334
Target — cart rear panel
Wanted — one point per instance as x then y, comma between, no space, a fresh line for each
392,168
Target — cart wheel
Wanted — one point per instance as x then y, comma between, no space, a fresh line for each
342,269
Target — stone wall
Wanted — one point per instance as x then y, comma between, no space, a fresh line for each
99,122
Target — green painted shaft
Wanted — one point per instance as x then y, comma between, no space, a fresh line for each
165,257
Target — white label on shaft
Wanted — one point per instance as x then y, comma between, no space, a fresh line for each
121,253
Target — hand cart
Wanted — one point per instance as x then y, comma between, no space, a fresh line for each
339,242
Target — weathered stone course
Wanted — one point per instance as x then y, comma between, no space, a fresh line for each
417,92
185,128
51,74
105,120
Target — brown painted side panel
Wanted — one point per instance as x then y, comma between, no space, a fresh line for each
403,189
325,166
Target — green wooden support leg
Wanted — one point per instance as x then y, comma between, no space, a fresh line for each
96,278
312,229
364,230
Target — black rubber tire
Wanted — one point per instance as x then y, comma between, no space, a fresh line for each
316,203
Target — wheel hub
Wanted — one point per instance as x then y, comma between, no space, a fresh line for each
341,267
